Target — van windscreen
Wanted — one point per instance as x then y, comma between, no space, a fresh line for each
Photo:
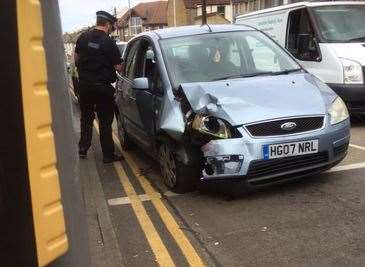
341,23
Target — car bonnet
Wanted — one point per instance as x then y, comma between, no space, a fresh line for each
248,100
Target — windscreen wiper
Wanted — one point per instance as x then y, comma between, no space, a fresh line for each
228,77
358,39
286,71
261,73
268,73
244,75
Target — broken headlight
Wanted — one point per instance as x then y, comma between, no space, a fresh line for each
212,126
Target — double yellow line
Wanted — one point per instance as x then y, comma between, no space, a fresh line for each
159,249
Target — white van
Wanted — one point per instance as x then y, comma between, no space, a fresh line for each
327,38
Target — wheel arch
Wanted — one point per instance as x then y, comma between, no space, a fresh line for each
185,152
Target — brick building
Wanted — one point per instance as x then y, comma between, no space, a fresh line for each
188,12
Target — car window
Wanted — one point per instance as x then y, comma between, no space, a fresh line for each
150,68
219,56
131,60
263,56
181,52
234,55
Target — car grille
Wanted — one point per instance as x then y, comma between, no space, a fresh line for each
339,150
260,168
273,128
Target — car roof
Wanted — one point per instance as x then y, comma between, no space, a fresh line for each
197,29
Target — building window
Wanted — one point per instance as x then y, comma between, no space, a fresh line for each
126,33
221,10
135,25
199,11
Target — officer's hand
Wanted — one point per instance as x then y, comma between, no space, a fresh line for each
119,68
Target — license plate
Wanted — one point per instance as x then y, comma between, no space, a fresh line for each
290,149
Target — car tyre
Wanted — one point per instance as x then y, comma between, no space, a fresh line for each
124,139
177,176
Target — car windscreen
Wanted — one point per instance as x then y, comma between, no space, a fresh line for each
217,56
341,23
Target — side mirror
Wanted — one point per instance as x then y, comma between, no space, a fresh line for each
141,84
304,40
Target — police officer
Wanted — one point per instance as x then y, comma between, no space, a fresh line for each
97,59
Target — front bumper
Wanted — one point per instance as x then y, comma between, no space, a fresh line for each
242,158
353,95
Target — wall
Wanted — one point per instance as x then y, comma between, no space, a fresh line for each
214,19
181,13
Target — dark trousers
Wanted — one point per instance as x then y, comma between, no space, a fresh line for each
75,84
97,98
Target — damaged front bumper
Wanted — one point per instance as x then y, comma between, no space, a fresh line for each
242,158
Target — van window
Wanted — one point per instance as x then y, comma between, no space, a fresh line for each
342,23
301,41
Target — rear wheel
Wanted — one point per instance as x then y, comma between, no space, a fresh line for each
124,139
178,177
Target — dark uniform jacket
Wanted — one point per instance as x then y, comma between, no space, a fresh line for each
98,54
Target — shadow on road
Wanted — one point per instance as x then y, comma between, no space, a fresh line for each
237,190
358,120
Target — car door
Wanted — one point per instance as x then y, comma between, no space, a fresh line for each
148,102
125,95
300,25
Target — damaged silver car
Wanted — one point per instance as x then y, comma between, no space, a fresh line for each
225,102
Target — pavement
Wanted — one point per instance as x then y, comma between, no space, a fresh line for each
133,220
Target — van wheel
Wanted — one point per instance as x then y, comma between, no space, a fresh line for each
124,139
177,176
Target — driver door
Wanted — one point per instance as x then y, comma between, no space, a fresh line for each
147,102
125,94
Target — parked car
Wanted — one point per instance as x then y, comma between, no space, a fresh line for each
326,37
226,102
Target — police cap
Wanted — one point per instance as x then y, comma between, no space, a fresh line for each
107,16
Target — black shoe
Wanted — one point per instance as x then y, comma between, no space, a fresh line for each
83,154
112,159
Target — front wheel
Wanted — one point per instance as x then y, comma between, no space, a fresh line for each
177,176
